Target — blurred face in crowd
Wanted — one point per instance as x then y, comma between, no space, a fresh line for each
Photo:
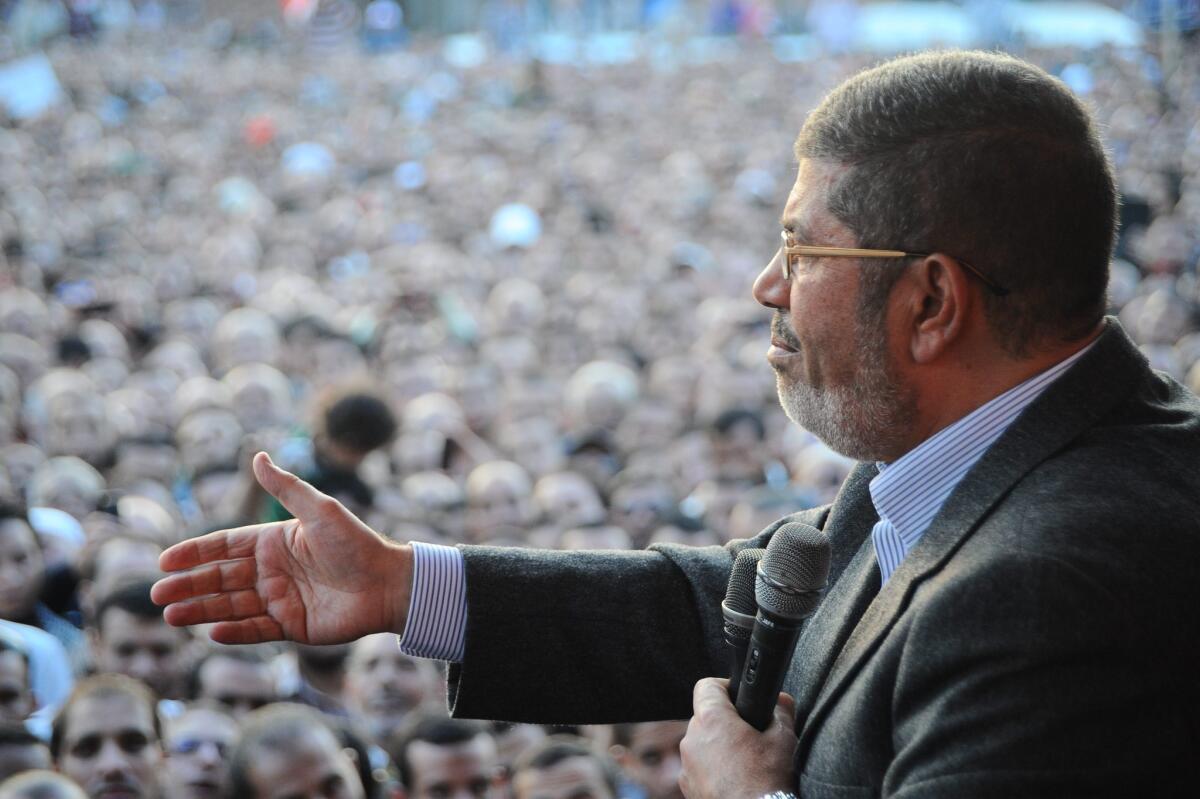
197,744
147,649
22,570
16,699
652,759
110,749
383,685
457,771
835,378
314,766
239,685
572,778
79,426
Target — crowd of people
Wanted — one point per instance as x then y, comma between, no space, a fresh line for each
477,298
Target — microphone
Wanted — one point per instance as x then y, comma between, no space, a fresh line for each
791,576
739,608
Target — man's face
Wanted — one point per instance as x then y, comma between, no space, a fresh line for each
197,744
383,684
835,375
21,570
313,767
573,778
459,771
143,648
238,685
16,700
110,748
653,758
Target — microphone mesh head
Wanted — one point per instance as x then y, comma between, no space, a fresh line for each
739,596
793,571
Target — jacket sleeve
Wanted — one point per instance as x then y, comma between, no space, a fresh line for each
593,637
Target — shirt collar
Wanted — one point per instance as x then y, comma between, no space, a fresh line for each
910,491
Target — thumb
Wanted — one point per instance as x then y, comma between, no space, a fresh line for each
785,711
298,497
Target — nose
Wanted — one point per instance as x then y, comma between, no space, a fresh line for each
111,761
770,289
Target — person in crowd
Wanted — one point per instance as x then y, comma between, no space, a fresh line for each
21,750
564,768
16,692
198,744
288,750
107,738
648,752
437,756
384,685
130,637
40,784
240,679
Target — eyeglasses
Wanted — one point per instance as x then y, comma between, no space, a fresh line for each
790,251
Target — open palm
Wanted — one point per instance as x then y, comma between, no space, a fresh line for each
321,578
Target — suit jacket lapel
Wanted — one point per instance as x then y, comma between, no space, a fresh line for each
1075,402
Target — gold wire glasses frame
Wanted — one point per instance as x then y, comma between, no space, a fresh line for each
789,251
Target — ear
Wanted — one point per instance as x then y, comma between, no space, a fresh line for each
938,302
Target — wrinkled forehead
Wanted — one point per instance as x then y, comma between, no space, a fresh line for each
807,214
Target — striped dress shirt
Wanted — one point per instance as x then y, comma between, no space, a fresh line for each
907,495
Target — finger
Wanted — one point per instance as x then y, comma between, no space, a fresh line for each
711,693
222,607
785,711
255,630
221,545
215,578
300,498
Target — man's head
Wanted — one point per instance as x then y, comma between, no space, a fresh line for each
564,768
238,678
288,751
107,738
383,685
130,637
649,753
22,570
16,697
442,758
21,750
990,169
198,743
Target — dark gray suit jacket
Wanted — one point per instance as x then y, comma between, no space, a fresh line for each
1042,639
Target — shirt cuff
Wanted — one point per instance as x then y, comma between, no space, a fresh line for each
437,611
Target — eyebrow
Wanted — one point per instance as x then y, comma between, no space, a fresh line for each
797,228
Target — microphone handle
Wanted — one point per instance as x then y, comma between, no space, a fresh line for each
767,660
738,640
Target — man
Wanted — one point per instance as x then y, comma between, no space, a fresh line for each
198,743
440,757
16,695
131,638
1011,609
238,678
562,768
107,738
384,685
288,751
649,753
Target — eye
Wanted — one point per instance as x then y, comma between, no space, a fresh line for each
126,650
86,748
651,758
8,696
132,742
479,786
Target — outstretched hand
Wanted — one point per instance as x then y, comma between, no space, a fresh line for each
321,578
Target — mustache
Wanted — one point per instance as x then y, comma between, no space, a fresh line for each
781,330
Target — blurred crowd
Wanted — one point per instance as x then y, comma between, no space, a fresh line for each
478,298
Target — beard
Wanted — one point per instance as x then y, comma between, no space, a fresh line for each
867,417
